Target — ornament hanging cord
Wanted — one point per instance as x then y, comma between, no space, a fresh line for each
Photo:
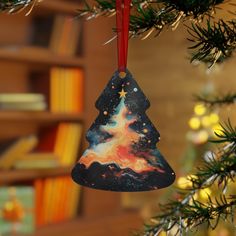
122,26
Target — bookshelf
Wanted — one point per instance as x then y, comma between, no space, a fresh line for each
17,176
39,116
117,224
100,212
36,55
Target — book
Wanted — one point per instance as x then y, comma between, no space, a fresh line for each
17,206
57,199
73,143
22,101
18,148
49,193
66,35
47,139
63,141
39,202
67,143
56,33
21,97
37,161
23,106
74,47
66,90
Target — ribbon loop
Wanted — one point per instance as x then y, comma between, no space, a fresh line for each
122,26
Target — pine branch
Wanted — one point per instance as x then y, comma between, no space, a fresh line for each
211,44
227,134
222,166
220,171
227,99
214,43
187,212
14,5
183,217
154,15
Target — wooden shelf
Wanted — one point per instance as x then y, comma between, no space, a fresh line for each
60,6
116,225
39,116
38,55
15,176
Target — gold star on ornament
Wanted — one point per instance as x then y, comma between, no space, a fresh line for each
122,93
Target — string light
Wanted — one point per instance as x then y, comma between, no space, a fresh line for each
206,121
194,123
205,193
200,109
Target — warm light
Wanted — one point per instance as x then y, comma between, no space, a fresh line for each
205,193
206,121
162,233
214,118
200,109
217,129
194,123
184,182
202,136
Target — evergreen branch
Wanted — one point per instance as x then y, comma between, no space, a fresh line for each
227,134
149,20
105,7
195,9
222,165
213,43
181,217
187,212
14,6
227,99
222,171
154,14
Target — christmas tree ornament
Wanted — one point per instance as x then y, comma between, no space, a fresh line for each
122,153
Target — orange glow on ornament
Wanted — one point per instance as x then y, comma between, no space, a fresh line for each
118,149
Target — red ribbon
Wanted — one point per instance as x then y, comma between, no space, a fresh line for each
122,25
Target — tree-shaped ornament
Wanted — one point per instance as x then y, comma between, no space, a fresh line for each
122,153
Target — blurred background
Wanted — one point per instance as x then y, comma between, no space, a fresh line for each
53,68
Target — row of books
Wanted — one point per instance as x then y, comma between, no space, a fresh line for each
48,201
55,147
66,90
61,33
57,200
63,140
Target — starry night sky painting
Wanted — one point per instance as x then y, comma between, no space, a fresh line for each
122,154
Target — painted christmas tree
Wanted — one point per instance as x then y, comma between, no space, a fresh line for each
122,155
